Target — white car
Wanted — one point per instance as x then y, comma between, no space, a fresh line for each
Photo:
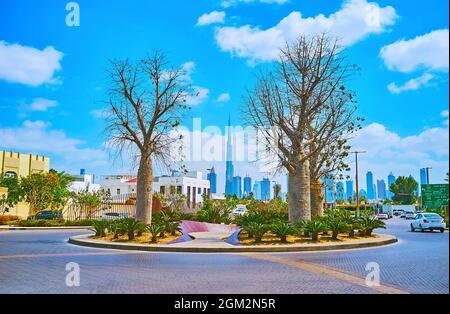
382,216
240,210
410,215
114,216
428,221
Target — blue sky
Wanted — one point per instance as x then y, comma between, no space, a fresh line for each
52,108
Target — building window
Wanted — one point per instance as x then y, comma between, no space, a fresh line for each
199,191
162,190
10,174
179,189
118,191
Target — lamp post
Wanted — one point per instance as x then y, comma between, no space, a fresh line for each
357,181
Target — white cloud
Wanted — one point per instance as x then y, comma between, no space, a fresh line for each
388,151
28,65
225,97
214,17
355,20
444,113
42,104
229,3
200,94
99,113
38,137
413,84
429,51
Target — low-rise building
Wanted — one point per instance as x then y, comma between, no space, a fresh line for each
84,182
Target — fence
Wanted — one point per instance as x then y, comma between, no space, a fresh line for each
120,204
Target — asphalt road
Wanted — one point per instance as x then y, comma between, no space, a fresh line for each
35,262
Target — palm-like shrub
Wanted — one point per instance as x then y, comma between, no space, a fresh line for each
282,229
100,227
213,212
258,230
314,227
154,230
116,227
130,226
352,222
140,229
300,228
368,224
336,225
172,227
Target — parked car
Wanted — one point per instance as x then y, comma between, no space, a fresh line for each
114,216
410,215
240,210
398,212
47,215
428,221
382,216
402,215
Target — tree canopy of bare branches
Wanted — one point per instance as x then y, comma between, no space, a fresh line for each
305,112
146,101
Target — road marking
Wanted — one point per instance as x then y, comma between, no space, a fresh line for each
328,271
68,254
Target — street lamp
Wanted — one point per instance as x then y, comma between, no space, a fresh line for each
357,181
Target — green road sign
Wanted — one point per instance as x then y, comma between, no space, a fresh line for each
434,196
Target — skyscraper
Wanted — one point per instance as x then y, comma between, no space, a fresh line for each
265,189
340,192
247,186
381,188
212,178
349,190
329,189
370,189
237,186
424,176
257,190
229,173
391,180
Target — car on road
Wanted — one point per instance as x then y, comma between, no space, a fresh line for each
397,212
410,215
428,221
382,216
240,210
47,215
114,216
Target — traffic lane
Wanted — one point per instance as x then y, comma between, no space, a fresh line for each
417,263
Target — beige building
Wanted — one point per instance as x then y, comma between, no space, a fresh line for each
22,165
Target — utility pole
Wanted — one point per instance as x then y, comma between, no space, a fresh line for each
357,181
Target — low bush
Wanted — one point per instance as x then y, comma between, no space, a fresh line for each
154,230
314,227
368,224
257,230
282,229
100,227
4,219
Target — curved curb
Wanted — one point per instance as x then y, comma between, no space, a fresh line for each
49,228
84,240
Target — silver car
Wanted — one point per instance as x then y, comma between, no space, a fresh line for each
428,221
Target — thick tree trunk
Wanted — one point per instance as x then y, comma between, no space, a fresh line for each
316,198
299,194
144,191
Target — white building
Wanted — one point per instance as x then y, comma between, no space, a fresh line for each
192,185
84,182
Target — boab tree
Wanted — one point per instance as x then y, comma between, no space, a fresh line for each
295,108
146,102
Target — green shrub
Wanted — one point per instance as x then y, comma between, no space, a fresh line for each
314,227
368,224
172,227
257,230
154,230
117,228
100,227
282,229
4,219
336,224
130,226
213,212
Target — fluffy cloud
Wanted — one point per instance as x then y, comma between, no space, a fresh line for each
200,94
214,17
355,20
225,97
387,151
28,65
229,3
38,137
412,84
429,51
42,104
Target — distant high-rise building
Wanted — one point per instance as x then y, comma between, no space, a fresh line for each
340,192
237,186
374,191
381,188
391,180
229,173
257,190
265,189
247,186
349,190
329,189
370,189
212,178
362,193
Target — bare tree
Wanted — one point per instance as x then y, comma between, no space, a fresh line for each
146,102
296,108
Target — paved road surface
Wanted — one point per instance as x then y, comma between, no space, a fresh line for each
35,261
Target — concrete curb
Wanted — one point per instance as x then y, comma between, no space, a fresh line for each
84,240
47,228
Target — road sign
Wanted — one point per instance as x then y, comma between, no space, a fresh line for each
434,196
